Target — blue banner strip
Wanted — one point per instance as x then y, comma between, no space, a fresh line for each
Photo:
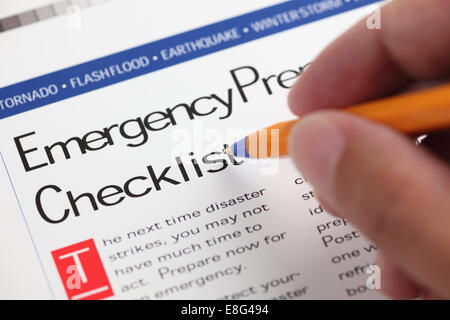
131,63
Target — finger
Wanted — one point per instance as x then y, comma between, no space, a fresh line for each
429,295
394,282
397,285
413,43
327,206
400,199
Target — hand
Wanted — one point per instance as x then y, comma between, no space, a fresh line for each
396,193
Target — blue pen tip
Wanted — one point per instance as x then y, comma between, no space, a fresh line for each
240,149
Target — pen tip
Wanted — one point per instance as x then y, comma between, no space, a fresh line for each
228,150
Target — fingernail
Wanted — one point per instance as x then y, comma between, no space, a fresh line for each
316,145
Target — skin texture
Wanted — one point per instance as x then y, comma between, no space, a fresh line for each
396,193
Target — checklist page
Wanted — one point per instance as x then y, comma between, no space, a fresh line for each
113,181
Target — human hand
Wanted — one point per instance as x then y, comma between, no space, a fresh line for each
396,193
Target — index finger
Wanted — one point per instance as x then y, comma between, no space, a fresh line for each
413,43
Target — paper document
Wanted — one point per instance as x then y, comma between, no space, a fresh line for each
113,182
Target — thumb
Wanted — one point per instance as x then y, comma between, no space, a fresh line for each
394,192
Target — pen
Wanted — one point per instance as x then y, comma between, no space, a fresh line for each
415,112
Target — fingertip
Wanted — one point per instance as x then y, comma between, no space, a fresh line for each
316,145
298,96
307,94
327,206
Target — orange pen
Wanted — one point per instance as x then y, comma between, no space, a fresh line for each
415,112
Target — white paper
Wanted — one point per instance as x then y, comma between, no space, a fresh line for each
273,243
